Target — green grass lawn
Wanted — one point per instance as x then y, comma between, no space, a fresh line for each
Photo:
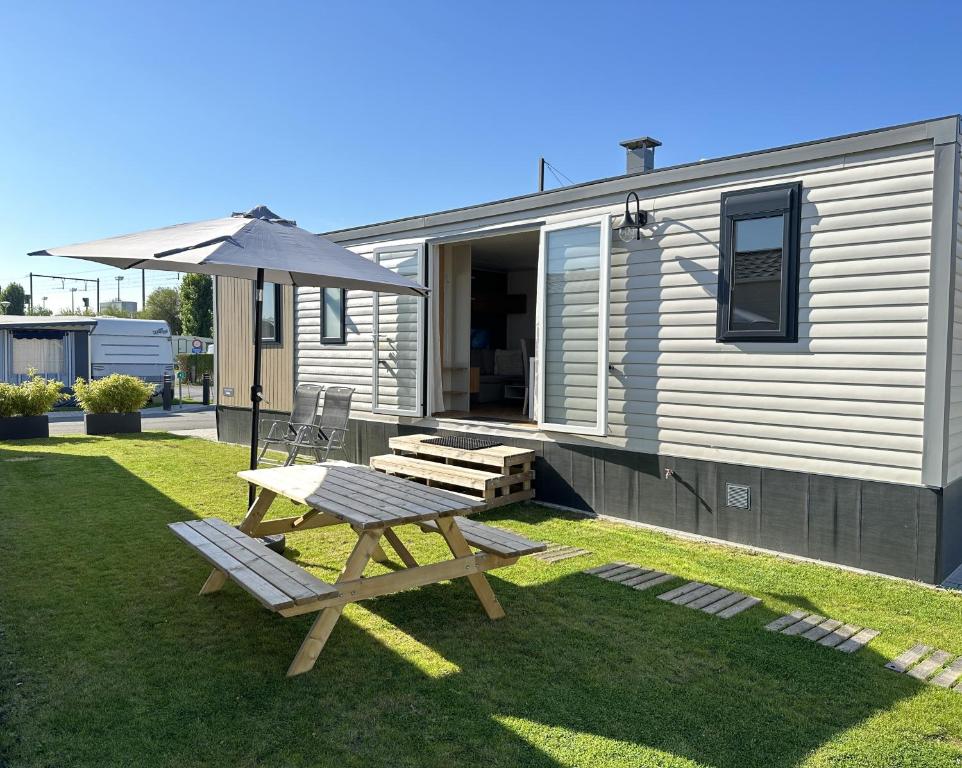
108,657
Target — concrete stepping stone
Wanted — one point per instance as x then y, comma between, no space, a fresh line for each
555,553
929,665
831,633
630,575
710,599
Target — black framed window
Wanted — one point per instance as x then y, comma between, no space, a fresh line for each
332,315
758,264
270,313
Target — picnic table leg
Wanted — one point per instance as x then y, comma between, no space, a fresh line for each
314,642
378,555
398,546
251,520
459,548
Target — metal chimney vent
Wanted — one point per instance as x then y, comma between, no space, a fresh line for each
738,496
641,154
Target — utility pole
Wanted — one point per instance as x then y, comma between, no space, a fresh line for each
118,278
65,279
73,292
143,289
541,174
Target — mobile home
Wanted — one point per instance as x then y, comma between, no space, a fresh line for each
764,348
64,348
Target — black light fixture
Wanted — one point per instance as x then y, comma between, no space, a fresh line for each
631,225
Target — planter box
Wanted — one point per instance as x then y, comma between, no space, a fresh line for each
111,423
20,427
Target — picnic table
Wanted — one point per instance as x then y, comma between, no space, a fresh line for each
373,505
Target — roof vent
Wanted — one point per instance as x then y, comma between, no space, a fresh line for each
641,154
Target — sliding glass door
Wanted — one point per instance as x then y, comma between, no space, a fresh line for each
398,375
573,326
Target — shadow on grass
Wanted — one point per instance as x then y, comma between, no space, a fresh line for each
113,659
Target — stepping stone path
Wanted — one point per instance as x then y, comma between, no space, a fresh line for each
630,575
557,552
831,633
710,599
937,667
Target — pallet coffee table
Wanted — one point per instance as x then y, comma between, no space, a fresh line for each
373,504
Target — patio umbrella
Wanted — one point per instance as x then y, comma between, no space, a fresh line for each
258,245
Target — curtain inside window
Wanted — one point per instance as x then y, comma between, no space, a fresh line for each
46,355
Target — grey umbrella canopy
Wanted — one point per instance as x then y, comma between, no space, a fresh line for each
239,246
258,245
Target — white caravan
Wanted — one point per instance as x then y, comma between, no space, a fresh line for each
140,348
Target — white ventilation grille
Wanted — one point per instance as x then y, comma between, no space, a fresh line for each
738,496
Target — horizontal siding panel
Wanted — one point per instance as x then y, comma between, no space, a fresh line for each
847,399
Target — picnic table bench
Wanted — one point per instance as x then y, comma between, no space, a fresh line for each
373,504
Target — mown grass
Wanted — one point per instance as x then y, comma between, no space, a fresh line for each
109,658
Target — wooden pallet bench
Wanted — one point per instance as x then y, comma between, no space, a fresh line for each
496,541
505,459
494,488
273,580
514,467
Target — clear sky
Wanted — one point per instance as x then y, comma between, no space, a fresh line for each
116,117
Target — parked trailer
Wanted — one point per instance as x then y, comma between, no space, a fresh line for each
139,348
65,347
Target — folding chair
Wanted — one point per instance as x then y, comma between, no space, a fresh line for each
306,398
330,431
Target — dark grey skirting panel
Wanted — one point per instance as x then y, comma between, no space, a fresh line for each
900,530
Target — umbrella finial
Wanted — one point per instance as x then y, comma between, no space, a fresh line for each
265,213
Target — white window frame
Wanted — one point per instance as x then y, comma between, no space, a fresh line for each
603,222
418,410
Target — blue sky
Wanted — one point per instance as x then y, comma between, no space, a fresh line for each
116,117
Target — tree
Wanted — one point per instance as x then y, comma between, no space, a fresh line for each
164,304
197,305
17,297
111,310
79,311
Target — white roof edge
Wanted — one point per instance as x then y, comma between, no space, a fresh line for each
940,130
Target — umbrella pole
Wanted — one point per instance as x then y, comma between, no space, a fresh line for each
256,389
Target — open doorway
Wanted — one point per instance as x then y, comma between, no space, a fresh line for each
487,301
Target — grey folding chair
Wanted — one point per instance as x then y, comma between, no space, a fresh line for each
304,413
330,430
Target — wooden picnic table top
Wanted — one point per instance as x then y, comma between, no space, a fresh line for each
359,495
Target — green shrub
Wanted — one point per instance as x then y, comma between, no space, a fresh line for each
32,397
9,400
116,393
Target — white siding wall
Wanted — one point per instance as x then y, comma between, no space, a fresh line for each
350,363
954,437
847,399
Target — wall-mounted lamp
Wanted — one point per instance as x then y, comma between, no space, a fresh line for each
631,225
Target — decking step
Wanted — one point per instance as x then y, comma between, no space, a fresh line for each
504,458
929,665
495,488
710,599
832,633
555,553
634,576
